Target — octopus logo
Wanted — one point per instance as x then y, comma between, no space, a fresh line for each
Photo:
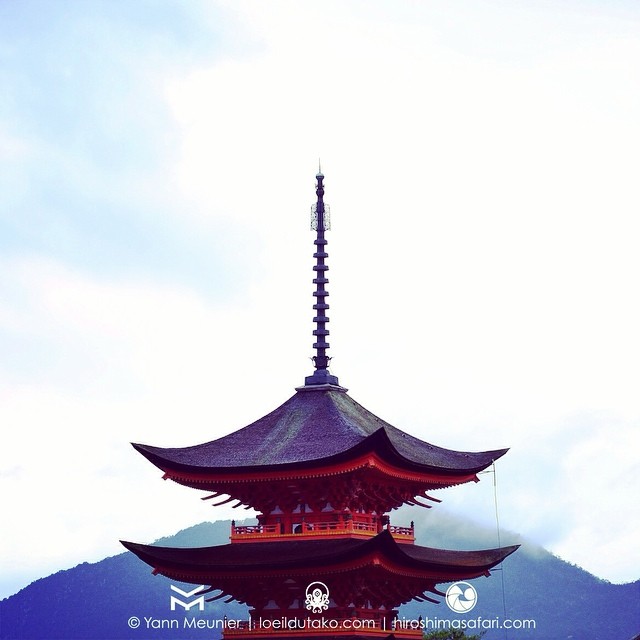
461,597
317,599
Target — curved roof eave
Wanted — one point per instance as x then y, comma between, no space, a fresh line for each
289,554
315,428
378,443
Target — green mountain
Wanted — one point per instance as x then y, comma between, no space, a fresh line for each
106,599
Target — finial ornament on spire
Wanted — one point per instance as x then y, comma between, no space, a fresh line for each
320,223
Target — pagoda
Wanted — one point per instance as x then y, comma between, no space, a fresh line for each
323,560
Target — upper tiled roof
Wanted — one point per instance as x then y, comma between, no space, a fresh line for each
316,426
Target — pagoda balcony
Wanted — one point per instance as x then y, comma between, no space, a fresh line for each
319,530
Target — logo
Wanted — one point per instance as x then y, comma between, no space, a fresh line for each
461,597
317,599
187,594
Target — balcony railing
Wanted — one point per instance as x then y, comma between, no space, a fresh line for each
401,532
318,530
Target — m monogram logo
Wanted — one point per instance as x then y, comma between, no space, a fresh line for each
187,594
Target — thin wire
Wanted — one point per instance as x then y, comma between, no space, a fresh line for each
495,502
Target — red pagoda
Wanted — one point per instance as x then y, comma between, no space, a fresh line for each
323,472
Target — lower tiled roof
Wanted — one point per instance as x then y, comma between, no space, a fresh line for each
312,554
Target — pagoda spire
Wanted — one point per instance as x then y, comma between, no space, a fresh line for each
320,222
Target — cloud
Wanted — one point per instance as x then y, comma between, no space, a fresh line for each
89,138
157,277
597,468
103,355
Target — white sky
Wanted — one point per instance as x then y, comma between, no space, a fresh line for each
157,168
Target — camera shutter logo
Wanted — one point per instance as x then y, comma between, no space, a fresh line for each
317,599
461,597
